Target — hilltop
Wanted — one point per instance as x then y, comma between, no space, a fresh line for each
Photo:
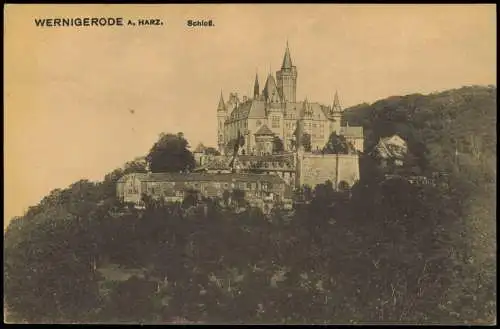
393,252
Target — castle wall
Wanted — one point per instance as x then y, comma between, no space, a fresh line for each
313,169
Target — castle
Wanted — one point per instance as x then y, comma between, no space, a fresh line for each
247,134
275,113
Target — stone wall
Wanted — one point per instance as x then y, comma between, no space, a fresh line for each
313,169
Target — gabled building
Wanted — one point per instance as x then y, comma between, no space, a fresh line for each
390,151
263,191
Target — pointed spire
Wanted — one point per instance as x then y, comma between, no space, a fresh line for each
222,106
256,86
306,107
287,59
336,103
270,87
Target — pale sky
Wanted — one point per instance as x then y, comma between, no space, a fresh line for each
68,90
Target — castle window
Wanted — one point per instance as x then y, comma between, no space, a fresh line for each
275,122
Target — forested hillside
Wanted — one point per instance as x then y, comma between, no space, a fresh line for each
436,125
393,252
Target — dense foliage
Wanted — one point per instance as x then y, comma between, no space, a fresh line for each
170,154
436,125
337,144
392,252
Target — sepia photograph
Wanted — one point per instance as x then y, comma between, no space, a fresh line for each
273,164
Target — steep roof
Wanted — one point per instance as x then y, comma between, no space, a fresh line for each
287,59
394,139
222,106
386,149
319,111
270,88
264,130
258,109
194,177
250,109
336,103
241,112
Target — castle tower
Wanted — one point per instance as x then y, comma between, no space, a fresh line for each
221,118
256,87
335,114
304,125
287,78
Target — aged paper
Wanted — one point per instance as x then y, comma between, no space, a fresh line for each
88,88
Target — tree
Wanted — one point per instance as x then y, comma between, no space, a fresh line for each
337,144
306,142
278,146
135,166
54,281
394,252
170,154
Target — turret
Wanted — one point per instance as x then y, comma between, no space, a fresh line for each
222,106
335,114
307,112
256,87
336,108
270,92
221,118
287,78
